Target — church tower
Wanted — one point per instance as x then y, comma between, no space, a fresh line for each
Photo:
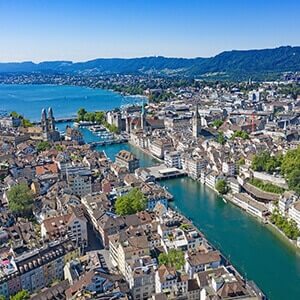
51,120
196,123
127,122
143,117
44,121
48,126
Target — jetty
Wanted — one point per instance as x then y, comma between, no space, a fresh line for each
160,172
59,120
108,142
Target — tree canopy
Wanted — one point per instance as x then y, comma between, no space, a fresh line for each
290,168
267,186
289,227
217,123
97,116
20,199
240,134
131,202
174,258
288,165
22,295
221,186
81,114
265,162
25,122
43,146
221,138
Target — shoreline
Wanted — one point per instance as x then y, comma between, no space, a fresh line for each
145,151
273,228
226,261
138,96
76,85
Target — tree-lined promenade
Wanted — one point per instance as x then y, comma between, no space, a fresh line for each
97,117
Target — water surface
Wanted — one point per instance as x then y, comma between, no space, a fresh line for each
29,100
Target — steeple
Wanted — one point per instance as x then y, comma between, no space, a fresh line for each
44,121
50,113
143,116
51,120
196,123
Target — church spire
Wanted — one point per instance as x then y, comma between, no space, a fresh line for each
44,121
196,122
143,116
51,120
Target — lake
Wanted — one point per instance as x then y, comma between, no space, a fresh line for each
65,101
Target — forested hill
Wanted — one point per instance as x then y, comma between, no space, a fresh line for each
236,64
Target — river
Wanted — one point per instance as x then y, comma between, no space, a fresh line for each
257,252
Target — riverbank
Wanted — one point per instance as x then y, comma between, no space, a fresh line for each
265,221
229,198
145,151
225,260
240,237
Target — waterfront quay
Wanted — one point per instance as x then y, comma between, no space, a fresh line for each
59,120
108,142
160,172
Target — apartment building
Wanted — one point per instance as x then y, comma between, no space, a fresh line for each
158,146
128,160
294,213
73,225
39,268
172,159
79,180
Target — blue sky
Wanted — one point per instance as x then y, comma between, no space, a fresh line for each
85,29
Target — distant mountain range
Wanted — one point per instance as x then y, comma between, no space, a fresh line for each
236,65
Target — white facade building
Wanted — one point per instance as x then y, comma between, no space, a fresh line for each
173,159
294,213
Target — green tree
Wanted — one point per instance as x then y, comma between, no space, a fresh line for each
22,295
289,227
100,117
89,116
43,146
294,180
174,258
240,134
81,114
59,148
131,202
26,123
2,297
111,127
14,114
267,186
241,161
221,138
20,199
217,123
221,186
265,162
290,168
